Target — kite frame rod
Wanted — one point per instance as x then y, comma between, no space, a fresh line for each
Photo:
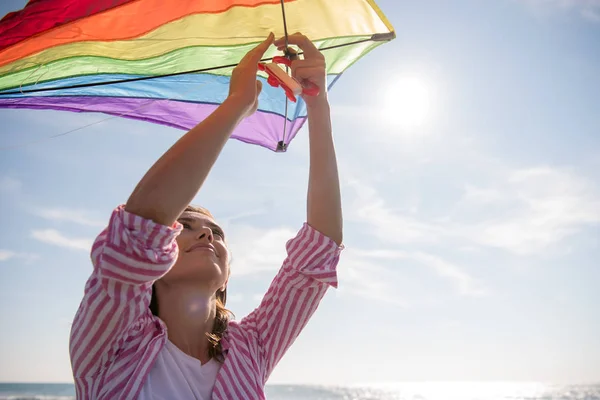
375,37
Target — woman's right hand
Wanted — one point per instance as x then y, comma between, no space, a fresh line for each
244,88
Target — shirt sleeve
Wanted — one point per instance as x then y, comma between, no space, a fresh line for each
127,257
294,295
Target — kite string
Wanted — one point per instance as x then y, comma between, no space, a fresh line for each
123,114
38,65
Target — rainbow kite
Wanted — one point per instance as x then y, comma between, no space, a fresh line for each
169,62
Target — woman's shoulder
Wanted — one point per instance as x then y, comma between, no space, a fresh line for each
238,336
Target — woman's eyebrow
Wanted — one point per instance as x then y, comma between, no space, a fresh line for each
217,227
209,223
186,219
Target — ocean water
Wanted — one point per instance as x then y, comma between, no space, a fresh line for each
400,391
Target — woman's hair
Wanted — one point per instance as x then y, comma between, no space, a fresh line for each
222,316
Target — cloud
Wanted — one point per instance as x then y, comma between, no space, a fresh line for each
6,255
531,209
243,215
387,224
80,217
257,297
235,298
522,211
10,185
591,13
466,285
56,238
256,249
587,9
360,277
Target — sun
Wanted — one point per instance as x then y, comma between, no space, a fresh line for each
408,102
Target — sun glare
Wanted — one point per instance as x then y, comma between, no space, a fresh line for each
408,102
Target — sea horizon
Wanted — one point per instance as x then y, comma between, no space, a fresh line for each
421,390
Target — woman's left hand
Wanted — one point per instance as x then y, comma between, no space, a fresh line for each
309,69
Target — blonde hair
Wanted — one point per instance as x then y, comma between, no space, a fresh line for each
222,316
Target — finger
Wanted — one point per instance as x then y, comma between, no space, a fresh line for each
304,43
306,72
256,54
307,77
313,65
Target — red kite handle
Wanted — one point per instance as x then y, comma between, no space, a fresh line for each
308,88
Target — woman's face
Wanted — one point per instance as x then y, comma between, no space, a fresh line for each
203,253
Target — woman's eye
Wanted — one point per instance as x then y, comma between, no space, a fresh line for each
217,232
186,225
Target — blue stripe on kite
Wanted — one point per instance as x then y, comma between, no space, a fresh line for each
195,88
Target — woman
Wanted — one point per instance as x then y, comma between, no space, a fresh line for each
152,323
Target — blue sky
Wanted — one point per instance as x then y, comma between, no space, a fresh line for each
469,153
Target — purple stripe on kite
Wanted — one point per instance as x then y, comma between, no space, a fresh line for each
263,129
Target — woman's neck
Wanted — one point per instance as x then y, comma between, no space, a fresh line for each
189,313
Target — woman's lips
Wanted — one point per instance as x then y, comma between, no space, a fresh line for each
202,247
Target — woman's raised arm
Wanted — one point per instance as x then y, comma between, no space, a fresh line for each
175,179
324,208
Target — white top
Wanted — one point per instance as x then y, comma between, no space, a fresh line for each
176,375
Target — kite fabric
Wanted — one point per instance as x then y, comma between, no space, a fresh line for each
169,62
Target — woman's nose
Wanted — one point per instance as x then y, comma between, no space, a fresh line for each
205,233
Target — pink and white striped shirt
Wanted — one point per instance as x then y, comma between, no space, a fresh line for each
115,339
